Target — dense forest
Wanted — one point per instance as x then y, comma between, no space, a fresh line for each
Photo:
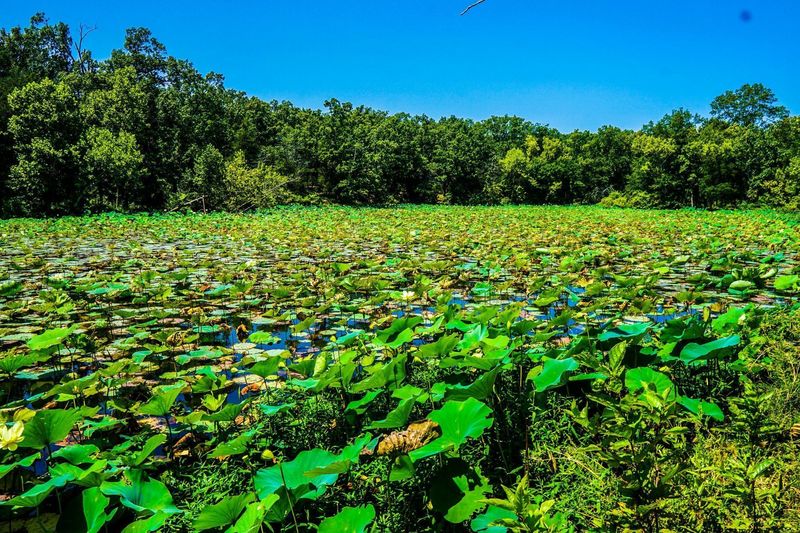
142,130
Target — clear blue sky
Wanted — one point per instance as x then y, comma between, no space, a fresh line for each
574,64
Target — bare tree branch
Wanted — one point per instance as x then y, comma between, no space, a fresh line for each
80,59
474,4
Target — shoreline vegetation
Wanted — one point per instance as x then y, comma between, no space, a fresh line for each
396,210
144,131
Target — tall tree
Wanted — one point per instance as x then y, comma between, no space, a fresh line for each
45,127
27,55
749,105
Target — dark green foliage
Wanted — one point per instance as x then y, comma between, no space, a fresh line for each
750,105
143,130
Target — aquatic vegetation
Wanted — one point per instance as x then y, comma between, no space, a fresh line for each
400,369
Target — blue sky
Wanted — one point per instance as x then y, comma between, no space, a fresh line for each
572,64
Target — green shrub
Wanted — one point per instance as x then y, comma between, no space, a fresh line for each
635,199
249,188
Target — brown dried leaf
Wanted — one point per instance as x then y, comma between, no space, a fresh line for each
176,338
416,435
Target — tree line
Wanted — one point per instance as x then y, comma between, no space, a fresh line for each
142,130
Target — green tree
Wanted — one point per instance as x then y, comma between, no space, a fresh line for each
458,162
777,147
45,126
512,184
252,187
783,190
662,160
207,178
751,105
29,54
555,168
112,171
506,132
720,152
116,101
147,58
546,171
605,160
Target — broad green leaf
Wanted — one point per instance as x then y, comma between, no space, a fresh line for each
473,337
644,377
589,376
344,340
398,333
701,352
740,285
728,320
10,288
206,328
402,468
94,509
361,405
266,368
236,446
149,447
269,480
263,337
786,283
272,410
495,343
616,355
146,525
700,407
389,375
470,494
303,325
140,355
25,462
77,454
337,467
34,496
480,389
50,338
92,476
626,331
483,523
349,520
47,427
254,515
161,402
441,348
458,422
554,373
396,417
202,353
219,290
226,414
224,513
140,493
10,364
308,475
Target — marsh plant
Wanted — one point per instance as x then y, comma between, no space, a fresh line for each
412,369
